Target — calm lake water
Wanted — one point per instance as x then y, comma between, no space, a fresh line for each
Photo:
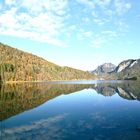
88,110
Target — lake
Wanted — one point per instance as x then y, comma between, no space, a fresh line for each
76,110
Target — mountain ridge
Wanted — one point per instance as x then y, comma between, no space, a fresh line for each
126,70
104,69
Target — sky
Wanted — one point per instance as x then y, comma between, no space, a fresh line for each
78,33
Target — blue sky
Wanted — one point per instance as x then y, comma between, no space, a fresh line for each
78,33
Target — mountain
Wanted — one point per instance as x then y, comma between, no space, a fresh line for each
127,70
127,64
104,69
16,65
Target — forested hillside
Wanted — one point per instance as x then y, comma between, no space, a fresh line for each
16,65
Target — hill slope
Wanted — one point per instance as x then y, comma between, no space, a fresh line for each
16,65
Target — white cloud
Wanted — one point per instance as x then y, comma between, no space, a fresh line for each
94,14
93,4
103,3
121,6
88,34
86,20
108,7
33,6
110,34
100,21
122,26
9,2
57,6
8,20
72,27
88,3
128,6
50,20
44,20
34,36
82,34
109,12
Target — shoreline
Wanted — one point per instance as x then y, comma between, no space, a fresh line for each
15,82
74,80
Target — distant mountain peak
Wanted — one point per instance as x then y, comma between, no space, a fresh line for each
104,69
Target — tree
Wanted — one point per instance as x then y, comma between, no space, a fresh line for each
15,66
2,69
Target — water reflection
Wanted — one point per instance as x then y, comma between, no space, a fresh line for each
127,90
38,130
17,98
27,113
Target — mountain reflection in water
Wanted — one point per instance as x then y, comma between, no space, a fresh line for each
18,98
82,114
